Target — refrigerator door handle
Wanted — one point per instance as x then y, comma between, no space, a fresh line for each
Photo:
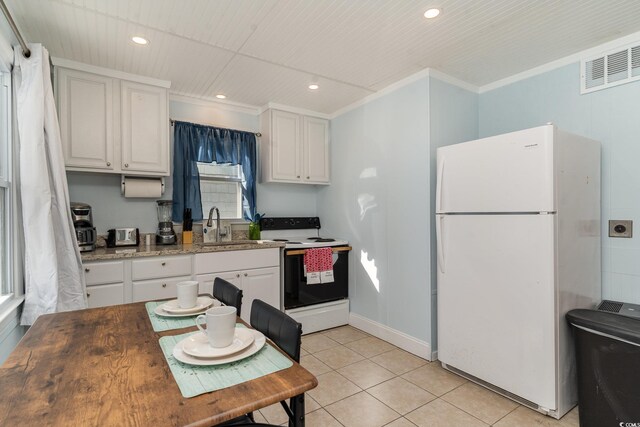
439,244
439,184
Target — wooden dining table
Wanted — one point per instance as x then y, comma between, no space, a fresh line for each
104,367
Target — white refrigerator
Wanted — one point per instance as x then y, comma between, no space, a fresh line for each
518,245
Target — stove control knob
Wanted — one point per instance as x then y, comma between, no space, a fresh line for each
292,221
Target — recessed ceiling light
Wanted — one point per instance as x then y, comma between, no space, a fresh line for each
139,40
431,13
314,86
221,96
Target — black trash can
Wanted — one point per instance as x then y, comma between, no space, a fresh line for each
608,361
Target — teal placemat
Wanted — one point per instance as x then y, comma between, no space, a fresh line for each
160,323
196,380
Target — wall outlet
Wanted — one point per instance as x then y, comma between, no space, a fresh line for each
620,228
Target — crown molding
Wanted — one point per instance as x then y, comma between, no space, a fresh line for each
282,107
422,74
571,59
74,65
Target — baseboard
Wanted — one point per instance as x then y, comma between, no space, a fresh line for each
399,339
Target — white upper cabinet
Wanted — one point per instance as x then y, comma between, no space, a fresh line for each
86,119
285,143
294,148
145,128
111,124
315,150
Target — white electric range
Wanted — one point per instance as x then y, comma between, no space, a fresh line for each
317,306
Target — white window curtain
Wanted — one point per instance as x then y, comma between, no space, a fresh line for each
54,280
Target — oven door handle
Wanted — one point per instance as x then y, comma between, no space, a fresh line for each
292,252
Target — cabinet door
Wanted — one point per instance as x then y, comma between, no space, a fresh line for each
285,145
145,128
261,283
85,107
100,273
105,295
205,281
315,150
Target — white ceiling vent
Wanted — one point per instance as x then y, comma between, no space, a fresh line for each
610,69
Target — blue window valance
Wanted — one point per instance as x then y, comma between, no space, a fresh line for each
198,143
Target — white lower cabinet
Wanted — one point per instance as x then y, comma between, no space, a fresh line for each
261,283
105,283
163,272
104,295
258,283
159,267
255,271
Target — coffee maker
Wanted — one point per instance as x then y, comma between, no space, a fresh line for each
83,224
165,234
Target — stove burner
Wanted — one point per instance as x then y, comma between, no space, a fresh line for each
280,240
321,239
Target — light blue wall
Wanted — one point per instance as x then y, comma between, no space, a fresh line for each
611,116
110,209
381,197
453,119
379,201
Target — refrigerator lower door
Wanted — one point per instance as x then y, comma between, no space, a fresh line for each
496,298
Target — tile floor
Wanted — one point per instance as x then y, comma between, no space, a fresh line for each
367,382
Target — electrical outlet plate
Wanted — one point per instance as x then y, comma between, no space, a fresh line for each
620,228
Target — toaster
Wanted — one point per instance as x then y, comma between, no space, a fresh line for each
117,237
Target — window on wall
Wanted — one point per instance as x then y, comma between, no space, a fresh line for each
221,186
6,287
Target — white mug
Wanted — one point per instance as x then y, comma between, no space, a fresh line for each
221,325
187,293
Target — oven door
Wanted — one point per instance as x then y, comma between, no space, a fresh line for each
297,293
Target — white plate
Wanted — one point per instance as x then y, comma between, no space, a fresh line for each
160,312
172,306
258,343
197,345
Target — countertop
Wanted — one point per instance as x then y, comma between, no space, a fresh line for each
101,254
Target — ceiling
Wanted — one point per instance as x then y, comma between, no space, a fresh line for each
261,51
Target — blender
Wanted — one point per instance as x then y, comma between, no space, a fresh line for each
165,234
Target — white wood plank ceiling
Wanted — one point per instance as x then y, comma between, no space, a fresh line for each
260,51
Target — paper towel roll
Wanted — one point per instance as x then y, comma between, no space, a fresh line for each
142,187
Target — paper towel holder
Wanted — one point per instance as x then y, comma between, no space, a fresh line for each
123,182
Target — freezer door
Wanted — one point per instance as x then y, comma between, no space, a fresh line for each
506,173
496,301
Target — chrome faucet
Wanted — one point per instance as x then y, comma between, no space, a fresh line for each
210,222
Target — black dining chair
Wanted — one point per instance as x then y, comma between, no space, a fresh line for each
227,293
286,333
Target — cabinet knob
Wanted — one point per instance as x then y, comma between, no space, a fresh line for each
164,285
88,294
246,274
126,165
108,163
164,263
308,177
298,176
238,275
86,270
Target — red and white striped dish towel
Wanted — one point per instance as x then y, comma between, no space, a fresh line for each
318,265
